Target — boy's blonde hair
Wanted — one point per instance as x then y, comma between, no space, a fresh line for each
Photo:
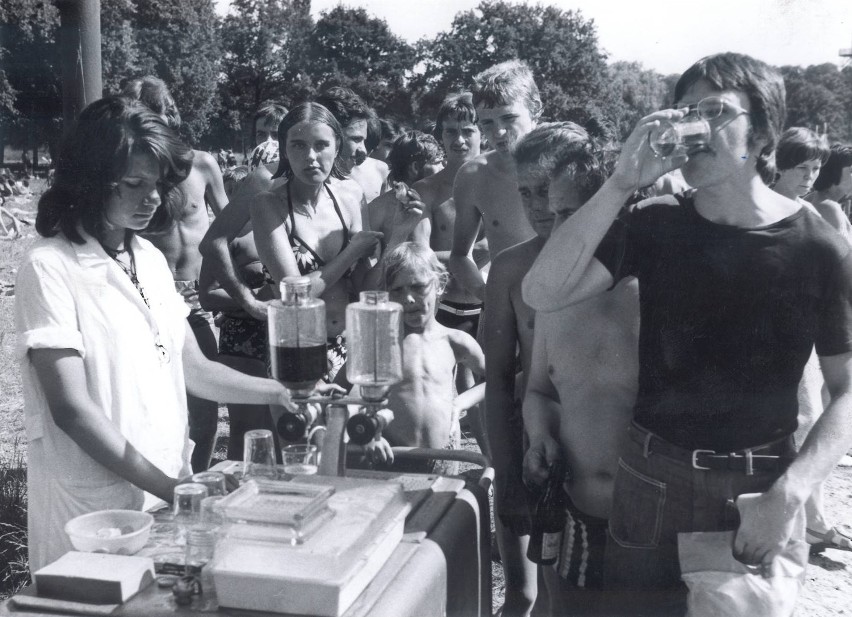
505,83
416,257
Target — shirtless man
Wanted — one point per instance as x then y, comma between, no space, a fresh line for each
424,412
833,188
414,156
354,116
202,188
508,106
581,386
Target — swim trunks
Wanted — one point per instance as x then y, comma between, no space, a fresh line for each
581,557
198,317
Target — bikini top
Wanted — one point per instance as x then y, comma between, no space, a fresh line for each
307,258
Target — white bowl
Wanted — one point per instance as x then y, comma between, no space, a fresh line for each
122,532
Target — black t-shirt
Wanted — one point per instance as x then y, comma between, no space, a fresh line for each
728,318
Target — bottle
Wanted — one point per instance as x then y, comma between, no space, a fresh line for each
548,519
200,549
374,336
297,337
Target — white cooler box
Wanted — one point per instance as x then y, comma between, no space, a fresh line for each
325,573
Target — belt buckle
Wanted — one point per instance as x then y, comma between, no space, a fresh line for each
695,454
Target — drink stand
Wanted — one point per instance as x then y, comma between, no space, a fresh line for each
441,565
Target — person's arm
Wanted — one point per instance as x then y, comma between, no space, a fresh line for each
214,247
541,414
768,520
62,377
211,295
467,351
216,382
566,271
274,250
833,213
468,218
214,187
505,442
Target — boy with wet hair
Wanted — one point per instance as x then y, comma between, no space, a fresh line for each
508,106
202,189
425,412
582,377
509,329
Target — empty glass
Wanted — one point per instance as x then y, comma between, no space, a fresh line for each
213,480
187,503
300,459
259,455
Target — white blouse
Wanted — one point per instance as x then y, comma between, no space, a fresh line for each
74,296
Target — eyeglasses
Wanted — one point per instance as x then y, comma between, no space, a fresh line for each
712,107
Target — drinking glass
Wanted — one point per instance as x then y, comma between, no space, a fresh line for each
300,459
187,502
259,455
213,480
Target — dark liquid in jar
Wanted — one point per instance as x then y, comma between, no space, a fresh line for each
297,366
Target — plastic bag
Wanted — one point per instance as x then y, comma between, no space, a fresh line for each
721,586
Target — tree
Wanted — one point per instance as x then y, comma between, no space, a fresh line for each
641,91
30,91
561,48
120,55
264,44
348,47
818,98
177,43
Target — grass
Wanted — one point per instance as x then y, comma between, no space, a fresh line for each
14,571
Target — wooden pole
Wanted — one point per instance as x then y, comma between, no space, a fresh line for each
80,53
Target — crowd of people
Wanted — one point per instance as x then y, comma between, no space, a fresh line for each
674,331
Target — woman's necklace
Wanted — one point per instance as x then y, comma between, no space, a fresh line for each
130,271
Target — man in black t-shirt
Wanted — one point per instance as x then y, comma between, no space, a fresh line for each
736,284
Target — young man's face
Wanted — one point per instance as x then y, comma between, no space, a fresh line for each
564,198
353,150
798,180
417,292
265,129
534,189
504,125
461,139
729,153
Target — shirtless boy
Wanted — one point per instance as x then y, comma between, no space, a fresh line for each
354,116
508,328
414,156
203,188
457,131
424,413
581,387
508,105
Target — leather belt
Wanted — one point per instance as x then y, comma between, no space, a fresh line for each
772,456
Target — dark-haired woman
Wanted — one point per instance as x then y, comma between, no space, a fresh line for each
307,226
105,350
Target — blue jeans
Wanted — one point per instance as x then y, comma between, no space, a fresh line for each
655,498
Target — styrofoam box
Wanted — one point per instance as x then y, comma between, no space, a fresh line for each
324,575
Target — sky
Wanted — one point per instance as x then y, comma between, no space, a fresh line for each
663,35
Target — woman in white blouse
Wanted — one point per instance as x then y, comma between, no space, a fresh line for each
105,352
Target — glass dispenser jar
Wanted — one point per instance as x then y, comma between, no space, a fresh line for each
374,338
297,337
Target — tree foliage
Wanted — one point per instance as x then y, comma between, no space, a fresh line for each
221,69
560,46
